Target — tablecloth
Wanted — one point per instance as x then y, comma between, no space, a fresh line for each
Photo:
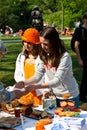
29,124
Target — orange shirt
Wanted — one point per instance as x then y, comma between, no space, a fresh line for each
29,70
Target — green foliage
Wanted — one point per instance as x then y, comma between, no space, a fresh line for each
7,64
54,18
17,13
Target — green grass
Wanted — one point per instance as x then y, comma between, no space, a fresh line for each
7,64
10,38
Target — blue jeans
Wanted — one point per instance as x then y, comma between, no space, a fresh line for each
76,100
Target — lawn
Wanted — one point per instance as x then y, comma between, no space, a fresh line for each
7,64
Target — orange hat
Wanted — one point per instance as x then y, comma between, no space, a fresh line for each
31,35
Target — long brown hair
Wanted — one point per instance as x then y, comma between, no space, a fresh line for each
56,47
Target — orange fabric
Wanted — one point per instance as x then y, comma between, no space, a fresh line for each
26,99
29,72
31,35
41,123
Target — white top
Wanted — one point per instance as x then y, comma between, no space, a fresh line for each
19,71
61,80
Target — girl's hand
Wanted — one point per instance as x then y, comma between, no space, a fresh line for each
18,89
29,88
19,93
19,85
80,62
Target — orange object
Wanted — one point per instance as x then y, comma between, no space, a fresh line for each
77,109
31,35
69,113
58,110
28,69
67,95
71,103
63,104
26,99
29,72
62,114
40,124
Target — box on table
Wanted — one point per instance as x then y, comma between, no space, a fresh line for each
74,121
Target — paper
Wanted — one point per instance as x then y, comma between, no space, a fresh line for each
12,88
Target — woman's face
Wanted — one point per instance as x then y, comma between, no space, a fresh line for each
28,46
45,44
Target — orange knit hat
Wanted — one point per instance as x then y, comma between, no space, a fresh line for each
31,35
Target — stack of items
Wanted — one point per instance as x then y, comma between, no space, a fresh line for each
74,121
67,108
66,123
57,124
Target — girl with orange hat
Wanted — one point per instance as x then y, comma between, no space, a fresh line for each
26,62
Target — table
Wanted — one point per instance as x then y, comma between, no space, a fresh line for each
29,124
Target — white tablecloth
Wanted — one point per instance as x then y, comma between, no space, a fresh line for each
29,124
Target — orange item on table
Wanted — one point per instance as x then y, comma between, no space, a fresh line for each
41,123
26,99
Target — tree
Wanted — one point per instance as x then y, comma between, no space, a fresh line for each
17,12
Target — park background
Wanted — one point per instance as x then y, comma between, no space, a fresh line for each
17,13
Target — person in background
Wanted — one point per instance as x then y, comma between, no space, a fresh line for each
25,62
56,63
8,30
81,52
77,23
